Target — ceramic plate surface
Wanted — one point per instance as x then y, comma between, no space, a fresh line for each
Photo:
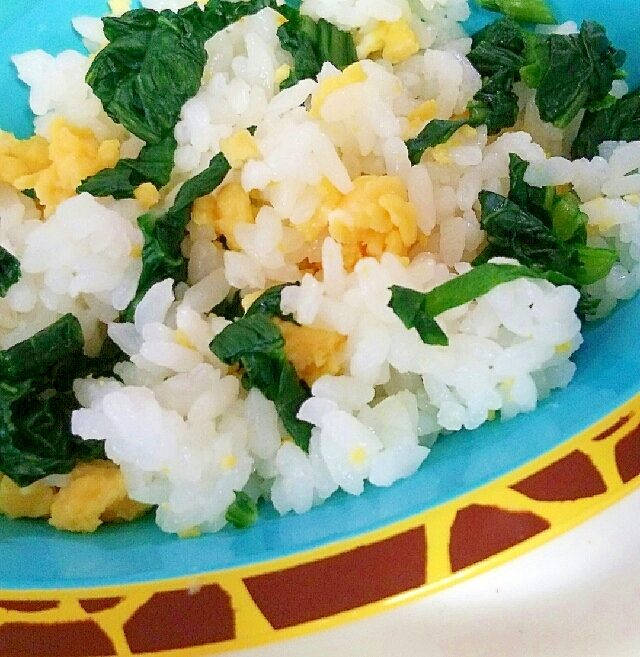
523,479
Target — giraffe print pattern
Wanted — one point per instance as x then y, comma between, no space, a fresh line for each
253,605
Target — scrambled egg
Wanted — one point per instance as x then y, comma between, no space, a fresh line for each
95,494
395,41
353,74
224,210
375,217
54,169
312,351
239,148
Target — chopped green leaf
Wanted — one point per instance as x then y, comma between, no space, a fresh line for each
257,345
246,336
242,512
435,132
151,66
35,439
36,402
162,256
9,271
578,73
311,44
618,122
230,307
31,193
39,353
526,11
268,303
154,165
419,310
516,233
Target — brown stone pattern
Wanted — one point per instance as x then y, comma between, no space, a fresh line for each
95,605
28,606
71,639
572,477
346,581
481,531
172,620
628,456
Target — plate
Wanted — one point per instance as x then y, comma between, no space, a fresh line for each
480,498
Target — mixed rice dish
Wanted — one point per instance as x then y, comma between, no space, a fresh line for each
257,254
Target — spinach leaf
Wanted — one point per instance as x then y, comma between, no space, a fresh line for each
497,53
516,233
418,310
242,512
576,73
163,235
36,402
257,345
619,122
154,164
230,307
437,131
311,44
527,11
151,66
39,353
9,271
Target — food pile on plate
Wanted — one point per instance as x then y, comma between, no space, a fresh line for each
260,253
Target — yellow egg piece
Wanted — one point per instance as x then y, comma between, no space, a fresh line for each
352,74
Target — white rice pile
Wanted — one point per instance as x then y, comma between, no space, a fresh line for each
183,430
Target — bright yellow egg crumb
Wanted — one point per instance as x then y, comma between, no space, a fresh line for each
32,501
375,216
420,116
95,492
353,74
147,195
312,351
239,148
282,73
395,41
74,153
20,158
230,206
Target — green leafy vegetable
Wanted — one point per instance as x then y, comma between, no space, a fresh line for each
151,66
576,72
163,235
230,307
39,353
36,402
527,11
154,165
569,73
256,344
435,132
418,310
619,122
311,44
516,233
243,512
9,271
